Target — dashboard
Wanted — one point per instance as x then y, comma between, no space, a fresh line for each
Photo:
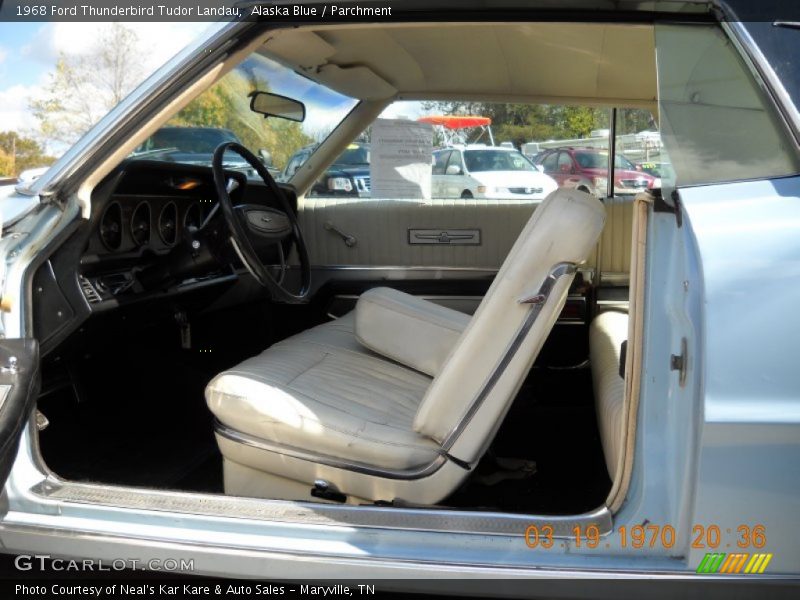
155,233
130,223
151,205
145,211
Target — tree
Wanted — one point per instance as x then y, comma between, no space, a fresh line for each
20,153
85,87
521,123
6,164
227,105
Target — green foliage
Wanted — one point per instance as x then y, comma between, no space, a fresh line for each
522,123
20,153
6,164
227,105
581,120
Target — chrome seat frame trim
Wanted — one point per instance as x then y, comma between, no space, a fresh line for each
239,437
556,272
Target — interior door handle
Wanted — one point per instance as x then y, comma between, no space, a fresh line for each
349,240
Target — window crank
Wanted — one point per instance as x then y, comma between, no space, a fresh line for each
349,240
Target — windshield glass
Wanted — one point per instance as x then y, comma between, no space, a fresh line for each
187,140
496,160
222,113
599,160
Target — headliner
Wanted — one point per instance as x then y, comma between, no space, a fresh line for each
557,63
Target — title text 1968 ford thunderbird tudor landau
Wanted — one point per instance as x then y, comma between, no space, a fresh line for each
276,383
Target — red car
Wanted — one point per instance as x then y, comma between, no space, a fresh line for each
587,169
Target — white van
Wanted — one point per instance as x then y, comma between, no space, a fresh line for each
478,171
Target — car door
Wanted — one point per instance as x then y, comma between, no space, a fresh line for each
438,178
19,384
456,182
550,166
566,169
445,248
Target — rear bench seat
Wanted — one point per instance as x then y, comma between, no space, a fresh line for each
606,334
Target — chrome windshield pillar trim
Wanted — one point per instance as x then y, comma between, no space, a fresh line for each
358,467
536,301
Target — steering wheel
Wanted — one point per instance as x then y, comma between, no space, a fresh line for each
261,222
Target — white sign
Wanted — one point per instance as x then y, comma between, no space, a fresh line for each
400,159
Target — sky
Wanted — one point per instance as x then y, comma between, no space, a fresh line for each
29,51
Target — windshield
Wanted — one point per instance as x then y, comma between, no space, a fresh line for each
222,113
599,160
191,140
496,160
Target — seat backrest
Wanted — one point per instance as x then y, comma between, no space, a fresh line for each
614,259
468,399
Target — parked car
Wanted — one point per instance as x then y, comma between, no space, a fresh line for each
349,174
580,395
586,169
28,176
478,171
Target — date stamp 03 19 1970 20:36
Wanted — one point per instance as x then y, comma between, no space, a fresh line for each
708,537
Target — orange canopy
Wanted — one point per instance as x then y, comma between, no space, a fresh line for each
456,121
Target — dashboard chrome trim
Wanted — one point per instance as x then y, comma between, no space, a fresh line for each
174,207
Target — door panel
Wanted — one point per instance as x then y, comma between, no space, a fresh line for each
19,384
381,230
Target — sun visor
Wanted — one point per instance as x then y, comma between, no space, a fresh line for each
357,82
305,49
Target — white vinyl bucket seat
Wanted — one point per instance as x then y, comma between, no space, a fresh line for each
401,398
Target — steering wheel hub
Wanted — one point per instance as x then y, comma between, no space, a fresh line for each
248,223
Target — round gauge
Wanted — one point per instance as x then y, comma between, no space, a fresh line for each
193,217
140,224
111,227
168,224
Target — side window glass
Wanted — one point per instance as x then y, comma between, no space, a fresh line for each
564,162
440,162
295,164
455,160
716,123
549,162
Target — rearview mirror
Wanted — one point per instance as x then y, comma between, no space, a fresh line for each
453,170
273,105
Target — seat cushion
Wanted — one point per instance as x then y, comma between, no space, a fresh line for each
412,331
323,392
606,334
